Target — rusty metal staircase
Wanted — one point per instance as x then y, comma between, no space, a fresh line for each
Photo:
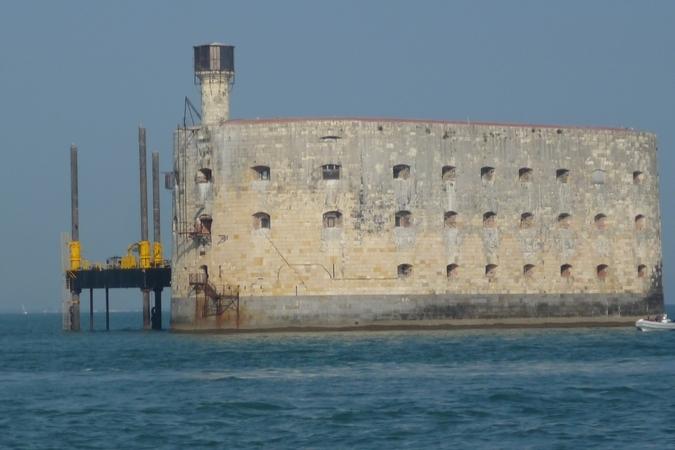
215,301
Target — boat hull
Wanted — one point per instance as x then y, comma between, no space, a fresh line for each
649,325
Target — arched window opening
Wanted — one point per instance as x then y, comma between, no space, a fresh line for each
525,174
450,219
449,173
330,171
487,174
491,271
489,219
600,221
261,173
564,220
332,219
203,225
451,271
401,172
638,177
526,220
642,271
528,271
602,270
640,222
261,220
403,219
562,175
566,271
404,271
204,175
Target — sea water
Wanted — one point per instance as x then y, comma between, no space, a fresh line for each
527,388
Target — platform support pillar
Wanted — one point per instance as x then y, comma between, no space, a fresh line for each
91,309
107,310
157,310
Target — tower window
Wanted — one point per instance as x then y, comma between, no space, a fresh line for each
562,175
491,271
602,270
401,172
204,175
638,177
525,174
332,219
564,220
450,219
404,271
451,271
487,174
566,271
640,222
598,177
489,220
261,173
448,173
261,220
528,270
203,225
330,171
526,220
403,219
600,221
642,271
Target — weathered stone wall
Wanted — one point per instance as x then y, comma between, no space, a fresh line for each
612,179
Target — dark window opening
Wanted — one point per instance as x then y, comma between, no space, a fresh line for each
403,219
450,219
642,271
640,222
401,172
564,220
330,171
203,225
261,172
451,271
261,220
332,219
487,173
566,270
404,271
528,270
526,220
562,175
638,177
204,175
448,173
489,219
525,174
602,270
598,177
600,221
491,271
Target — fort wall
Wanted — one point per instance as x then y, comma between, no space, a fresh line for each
424,220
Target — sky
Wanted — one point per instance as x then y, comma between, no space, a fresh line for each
90,72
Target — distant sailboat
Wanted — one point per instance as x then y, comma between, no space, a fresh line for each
23,308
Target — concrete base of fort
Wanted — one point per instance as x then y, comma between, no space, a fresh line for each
417,311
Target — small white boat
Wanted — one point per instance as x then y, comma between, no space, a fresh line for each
659,323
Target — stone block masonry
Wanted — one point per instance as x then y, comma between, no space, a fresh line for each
337,222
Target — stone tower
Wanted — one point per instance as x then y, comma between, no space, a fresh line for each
214,72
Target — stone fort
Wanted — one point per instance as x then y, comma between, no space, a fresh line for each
352,222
